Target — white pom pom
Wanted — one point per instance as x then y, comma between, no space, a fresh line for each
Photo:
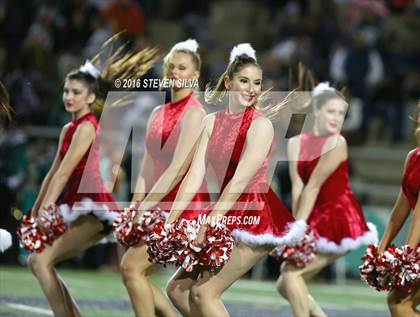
5,240
244,48
188,45
90,69
322,87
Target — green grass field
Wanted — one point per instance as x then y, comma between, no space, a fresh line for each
102,294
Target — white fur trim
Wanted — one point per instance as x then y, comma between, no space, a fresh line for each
348,244
5,240
90,69
322,87
87,206
243,48
188,45
293,234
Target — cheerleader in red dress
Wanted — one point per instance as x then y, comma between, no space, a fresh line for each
401,302
172,132
322,196
244,135
89,216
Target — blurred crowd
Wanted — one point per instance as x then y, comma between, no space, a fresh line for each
371,47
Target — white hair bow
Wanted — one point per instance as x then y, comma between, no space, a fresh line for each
243,48
322,87
188,45
90,69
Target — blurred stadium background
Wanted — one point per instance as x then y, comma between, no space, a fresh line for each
369,46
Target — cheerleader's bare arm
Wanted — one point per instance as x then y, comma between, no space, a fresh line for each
327,164
257,145
195,175
145,177
293,149
181,160
51,172
399,215
81,141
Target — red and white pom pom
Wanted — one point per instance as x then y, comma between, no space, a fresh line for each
396,268
218,248
128,232
124,228
405,266
214,254
52,220
148,220
160,245
183,234
5,240
376,270
174,244
302,253
31,237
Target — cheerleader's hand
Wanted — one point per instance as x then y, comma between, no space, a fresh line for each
34,212
42,213
201,234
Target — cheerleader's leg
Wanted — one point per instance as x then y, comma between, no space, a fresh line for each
146,299
402,304
292,285
179,291
81,234
207,290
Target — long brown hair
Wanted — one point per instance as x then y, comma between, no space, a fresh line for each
216,94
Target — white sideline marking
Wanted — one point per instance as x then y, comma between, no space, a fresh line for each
31,309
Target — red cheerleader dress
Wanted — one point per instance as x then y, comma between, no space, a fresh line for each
92,197
337,217
275,226
411,178
161,142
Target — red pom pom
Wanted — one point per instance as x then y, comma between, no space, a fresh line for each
174,244
214,254
183,235
161,245
218,248
30,237
376,270
52,221
404,262
397,268
124,228
148,220
129,233
302,253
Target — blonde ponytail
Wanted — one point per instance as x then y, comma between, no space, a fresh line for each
120,65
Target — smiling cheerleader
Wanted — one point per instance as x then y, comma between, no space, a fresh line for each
321,196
